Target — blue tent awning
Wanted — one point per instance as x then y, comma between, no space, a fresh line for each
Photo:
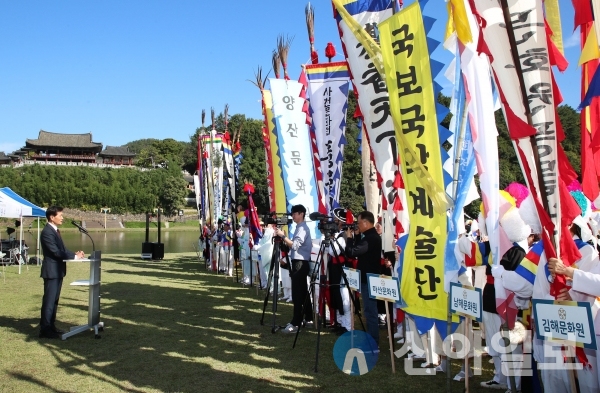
28,209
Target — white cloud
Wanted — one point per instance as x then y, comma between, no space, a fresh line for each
572,41
9,147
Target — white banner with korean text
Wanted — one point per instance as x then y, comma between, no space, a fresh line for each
294,148
373,101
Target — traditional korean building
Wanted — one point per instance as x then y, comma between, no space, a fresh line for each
4,159
55,147
116,155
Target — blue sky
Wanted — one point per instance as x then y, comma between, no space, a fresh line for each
126,70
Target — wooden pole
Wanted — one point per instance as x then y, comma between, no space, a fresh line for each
390,336
468,336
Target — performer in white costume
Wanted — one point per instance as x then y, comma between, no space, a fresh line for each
215,248
226,257
584,277
265,252
244,240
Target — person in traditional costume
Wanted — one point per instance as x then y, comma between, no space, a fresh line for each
583,278
265,252
245,241
520,234
225,258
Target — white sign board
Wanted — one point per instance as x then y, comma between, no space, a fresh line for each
465,301
383,287
353,277
568,321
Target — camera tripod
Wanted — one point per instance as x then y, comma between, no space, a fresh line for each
321,304
273,277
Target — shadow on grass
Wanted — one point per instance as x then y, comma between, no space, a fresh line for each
171,334
172,326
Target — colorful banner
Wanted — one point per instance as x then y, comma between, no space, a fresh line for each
531,47
294,148
374,104
268,143
328,86
215,169
209,189
409,79
279,202
369,49
229,165
461,163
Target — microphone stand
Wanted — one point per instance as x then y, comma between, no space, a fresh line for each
83,230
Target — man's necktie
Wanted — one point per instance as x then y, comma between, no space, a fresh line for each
58,231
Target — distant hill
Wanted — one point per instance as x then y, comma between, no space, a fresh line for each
137,146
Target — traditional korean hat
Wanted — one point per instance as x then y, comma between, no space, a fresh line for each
340,214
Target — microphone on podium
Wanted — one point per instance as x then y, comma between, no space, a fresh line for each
83,230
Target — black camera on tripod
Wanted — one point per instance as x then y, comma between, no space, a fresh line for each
328,227
325,223
278,219
352,227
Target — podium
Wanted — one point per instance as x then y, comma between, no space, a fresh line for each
93,284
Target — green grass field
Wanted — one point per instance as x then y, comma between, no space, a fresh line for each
171,326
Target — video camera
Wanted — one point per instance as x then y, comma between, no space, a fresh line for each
325,223
278,219
352,227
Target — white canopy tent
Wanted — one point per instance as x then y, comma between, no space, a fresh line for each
12,205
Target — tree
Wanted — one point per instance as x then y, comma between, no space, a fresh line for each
172,195
352,193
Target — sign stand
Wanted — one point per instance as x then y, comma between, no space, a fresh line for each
385,288
467,334
466,301
390,336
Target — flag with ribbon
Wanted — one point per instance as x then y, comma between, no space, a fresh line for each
409,77
328,86
373,102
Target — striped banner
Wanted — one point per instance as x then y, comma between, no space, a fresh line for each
328,86
374,103
529,265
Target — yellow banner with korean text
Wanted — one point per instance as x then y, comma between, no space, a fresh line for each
278,187
441,202
412,102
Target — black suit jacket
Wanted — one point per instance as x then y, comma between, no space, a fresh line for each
55,253
367,249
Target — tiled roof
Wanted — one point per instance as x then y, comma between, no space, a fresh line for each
51,139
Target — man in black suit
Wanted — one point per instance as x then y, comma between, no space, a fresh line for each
53,270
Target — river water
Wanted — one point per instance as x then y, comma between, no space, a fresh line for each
120,242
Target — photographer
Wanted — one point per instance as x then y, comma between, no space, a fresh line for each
300,245
367,248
